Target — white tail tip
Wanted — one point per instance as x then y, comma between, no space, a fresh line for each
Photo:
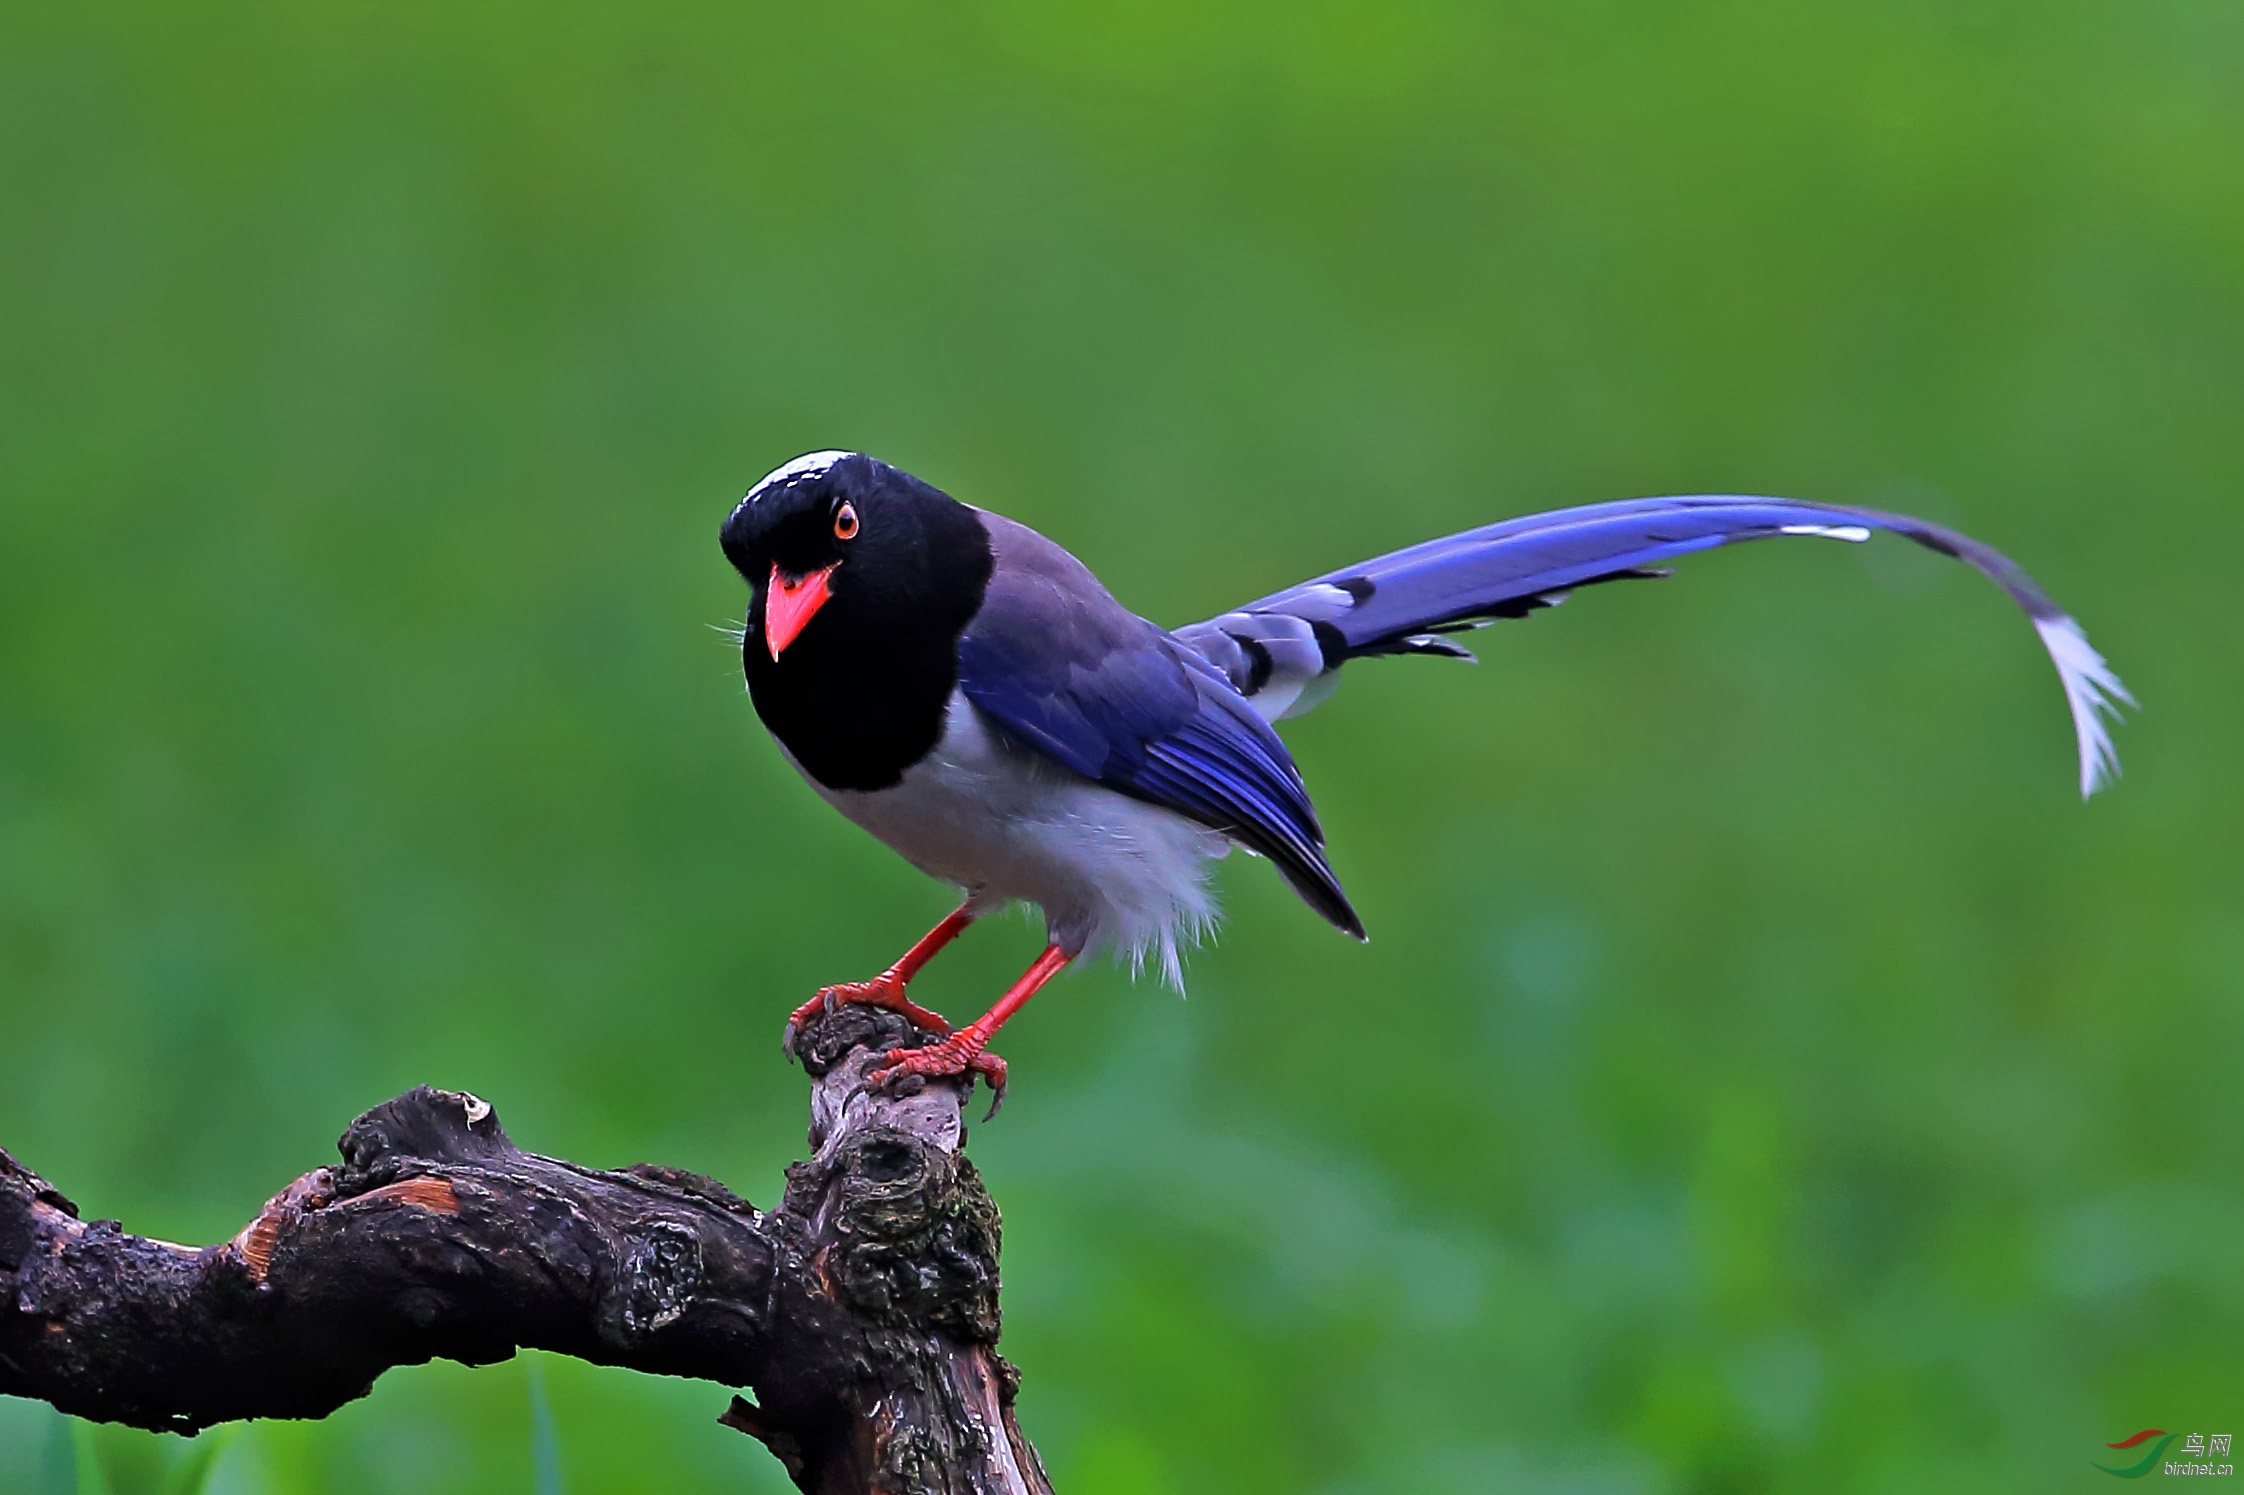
2092,691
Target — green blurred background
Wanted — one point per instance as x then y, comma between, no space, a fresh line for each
1765,1075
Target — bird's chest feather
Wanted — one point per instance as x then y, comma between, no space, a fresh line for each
987,814
854,708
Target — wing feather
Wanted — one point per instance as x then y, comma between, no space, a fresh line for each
1053,659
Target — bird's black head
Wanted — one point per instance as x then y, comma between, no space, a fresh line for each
862,579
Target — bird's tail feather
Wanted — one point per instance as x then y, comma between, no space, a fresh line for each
1284,651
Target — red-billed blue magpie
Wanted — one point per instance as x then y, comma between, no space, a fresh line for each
967,691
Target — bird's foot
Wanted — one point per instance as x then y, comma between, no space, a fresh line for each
884,990
959,1054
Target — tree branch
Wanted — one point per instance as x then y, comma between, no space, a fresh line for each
863,1312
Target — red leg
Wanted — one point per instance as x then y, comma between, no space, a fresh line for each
966,1051
887,989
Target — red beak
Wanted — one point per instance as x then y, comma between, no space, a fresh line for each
790,603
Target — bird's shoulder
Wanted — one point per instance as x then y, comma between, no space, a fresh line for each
1036,586
1047,622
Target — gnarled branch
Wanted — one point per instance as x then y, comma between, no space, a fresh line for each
862,1313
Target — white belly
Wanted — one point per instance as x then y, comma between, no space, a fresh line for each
1010,826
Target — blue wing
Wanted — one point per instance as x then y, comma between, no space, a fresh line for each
1291,644
1075,676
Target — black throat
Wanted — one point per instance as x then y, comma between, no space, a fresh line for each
861,694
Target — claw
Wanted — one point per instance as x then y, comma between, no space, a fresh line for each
884,990
959,1054
992,1070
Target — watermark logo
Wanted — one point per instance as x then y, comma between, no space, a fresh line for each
2199,1450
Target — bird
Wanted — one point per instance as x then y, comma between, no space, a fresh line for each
971,694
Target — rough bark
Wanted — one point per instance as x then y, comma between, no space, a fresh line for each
862,1312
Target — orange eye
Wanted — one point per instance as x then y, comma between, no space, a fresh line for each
845,522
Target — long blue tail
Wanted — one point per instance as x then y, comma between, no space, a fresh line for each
1284,652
